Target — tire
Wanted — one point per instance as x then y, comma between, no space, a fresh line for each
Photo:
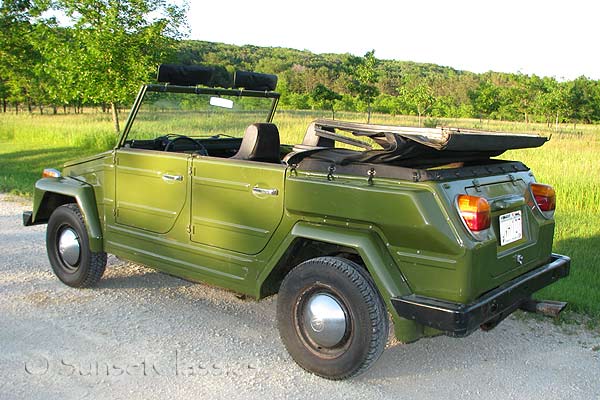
73,263
331,317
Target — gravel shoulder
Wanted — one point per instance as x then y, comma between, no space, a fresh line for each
146,335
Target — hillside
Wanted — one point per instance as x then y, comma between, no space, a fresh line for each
405,87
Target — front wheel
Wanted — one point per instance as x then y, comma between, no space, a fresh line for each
331,317
67,243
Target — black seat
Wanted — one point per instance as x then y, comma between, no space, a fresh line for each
260,143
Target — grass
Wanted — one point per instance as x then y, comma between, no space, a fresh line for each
30,143
569,162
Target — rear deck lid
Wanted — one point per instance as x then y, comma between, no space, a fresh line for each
521,236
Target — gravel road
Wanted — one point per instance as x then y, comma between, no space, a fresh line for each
145,335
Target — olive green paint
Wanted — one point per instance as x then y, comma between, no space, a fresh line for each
204,219
408,234
84,196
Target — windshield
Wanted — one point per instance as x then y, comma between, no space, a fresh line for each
197,115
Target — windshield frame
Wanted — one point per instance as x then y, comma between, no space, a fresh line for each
193,90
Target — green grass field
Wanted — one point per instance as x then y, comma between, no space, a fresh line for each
570,162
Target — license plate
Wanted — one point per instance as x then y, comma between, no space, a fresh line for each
511,227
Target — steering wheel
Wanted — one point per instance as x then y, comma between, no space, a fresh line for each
172,139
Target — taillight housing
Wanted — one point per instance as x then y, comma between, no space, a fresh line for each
51,173
545,198
475,212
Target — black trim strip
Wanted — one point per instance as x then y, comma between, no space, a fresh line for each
315,164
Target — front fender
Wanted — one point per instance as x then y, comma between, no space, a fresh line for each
382,268
51,193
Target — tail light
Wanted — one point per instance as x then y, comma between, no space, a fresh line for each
545,198
475,211
51,173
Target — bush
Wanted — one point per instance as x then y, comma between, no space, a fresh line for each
432,122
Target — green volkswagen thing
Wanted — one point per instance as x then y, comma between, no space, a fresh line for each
359,226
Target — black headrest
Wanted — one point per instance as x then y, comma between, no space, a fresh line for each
254,80
260,143
185,75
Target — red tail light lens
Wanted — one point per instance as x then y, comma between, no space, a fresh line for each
51,173
475,211
545,196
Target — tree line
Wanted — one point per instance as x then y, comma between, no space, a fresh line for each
350,83
109,48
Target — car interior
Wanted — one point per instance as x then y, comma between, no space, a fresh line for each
259,143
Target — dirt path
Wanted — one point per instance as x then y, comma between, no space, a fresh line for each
145,335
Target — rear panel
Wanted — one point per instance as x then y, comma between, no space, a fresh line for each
519,238
509,200
423,231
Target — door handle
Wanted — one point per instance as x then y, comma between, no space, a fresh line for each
167,177
270,192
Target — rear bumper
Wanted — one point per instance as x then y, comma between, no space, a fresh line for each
458,319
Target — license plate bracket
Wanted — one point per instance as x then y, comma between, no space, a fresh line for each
511,227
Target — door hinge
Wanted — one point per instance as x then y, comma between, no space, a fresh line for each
115,212
190,170
189,229
114,158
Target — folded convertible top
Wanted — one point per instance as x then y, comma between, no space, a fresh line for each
409,146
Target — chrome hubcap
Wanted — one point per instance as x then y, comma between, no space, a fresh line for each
69,247
325,320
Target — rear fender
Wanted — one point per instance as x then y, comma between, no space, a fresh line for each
381,267
51,193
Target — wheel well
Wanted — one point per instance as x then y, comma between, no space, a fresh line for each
299,251
50,202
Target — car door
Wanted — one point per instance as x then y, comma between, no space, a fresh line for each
235,204
150,188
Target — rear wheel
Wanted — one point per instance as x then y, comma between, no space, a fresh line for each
67,243
331,317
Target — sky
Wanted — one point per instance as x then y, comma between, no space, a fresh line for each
546,38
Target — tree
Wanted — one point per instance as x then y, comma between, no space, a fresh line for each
118,45
583,98
365,77
551,103
485,99
525,91
17,53
420,98
62,86
324,98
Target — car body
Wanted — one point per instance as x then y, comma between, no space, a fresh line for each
429,227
